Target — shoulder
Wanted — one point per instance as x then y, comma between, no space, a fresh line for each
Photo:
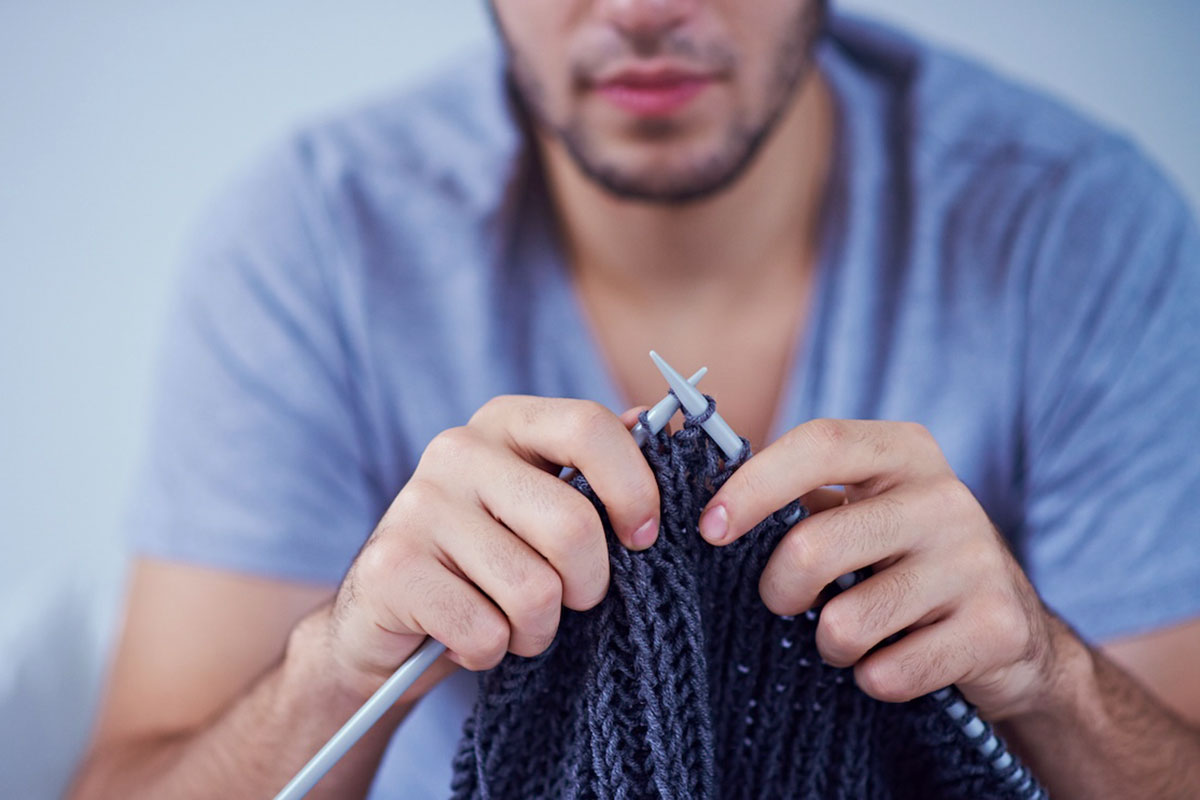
1002,173
439,152
948,107
453,133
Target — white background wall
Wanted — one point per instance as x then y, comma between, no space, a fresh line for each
119,119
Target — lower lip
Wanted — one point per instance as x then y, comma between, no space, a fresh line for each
654,101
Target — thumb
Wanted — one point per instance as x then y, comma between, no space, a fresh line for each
629,418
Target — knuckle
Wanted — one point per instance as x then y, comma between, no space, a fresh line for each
800,554
591,421
532,642
536,623
451,447
539,597
951,496
378,558
467,624
837,633
788,581
827,435
775,593
489,641
375,558
579,527
495,407
882,437
408,515
880,678
414,500
384,555
589,589
917,433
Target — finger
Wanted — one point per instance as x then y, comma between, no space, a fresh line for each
452,611
397,590
868,454
820,548
548,515
443,666
819,500
904,595
589,437
629,418
512,574
924,661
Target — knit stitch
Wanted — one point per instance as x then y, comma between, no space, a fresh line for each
681,684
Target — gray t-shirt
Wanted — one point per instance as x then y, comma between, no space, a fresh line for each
1021,282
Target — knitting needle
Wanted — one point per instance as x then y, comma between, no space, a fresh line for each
715,426
416,664
731,445
658,415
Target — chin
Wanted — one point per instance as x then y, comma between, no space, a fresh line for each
669,160
665,172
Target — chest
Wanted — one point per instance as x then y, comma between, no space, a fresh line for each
749,356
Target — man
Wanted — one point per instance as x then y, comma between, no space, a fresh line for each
983,306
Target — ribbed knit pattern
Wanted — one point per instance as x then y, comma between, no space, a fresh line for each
682,684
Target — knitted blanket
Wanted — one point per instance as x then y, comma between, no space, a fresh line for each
681,684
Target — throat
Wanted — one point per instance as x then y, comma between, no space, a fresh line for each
750,349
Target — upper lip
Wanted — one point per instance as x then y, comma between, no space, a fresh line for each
650,75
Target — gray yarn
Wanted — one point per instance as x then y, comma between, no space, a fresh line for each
681,684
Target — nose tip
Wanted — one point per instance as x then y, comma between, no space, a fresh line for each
640,19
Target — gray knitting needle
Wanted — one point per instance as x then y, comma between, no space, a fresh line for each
716,427
658,415
731,445
692,400
416,664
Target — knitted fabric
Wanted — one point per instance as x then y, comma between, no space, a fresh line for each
682,684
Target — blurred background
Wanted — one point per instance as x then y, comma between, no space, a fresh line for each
119,120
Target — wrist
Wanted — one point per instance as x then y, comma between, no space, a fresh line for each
311,664
1069,687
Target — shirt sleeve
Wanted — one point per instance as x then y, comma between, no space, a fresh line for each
1112,401
256,455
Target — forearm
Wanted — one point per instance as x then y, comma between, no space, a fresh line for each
254,747
1103,735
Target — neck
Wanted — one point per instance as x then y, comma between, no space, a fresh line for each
744,240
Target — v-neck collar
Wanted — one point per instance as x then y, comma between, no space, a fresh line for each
580,367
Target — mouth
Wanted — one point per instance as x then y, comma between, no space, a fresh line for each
653,91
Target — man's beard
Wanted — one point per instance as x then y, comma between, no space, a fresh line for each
742,141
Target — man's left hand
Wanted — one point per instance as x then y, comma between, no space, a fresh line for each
943,574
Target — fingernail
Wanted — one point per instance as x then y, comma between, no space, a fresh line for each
714,524
644,536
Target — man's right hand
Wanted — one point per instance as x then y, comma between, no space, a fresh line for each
485,544
480,550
